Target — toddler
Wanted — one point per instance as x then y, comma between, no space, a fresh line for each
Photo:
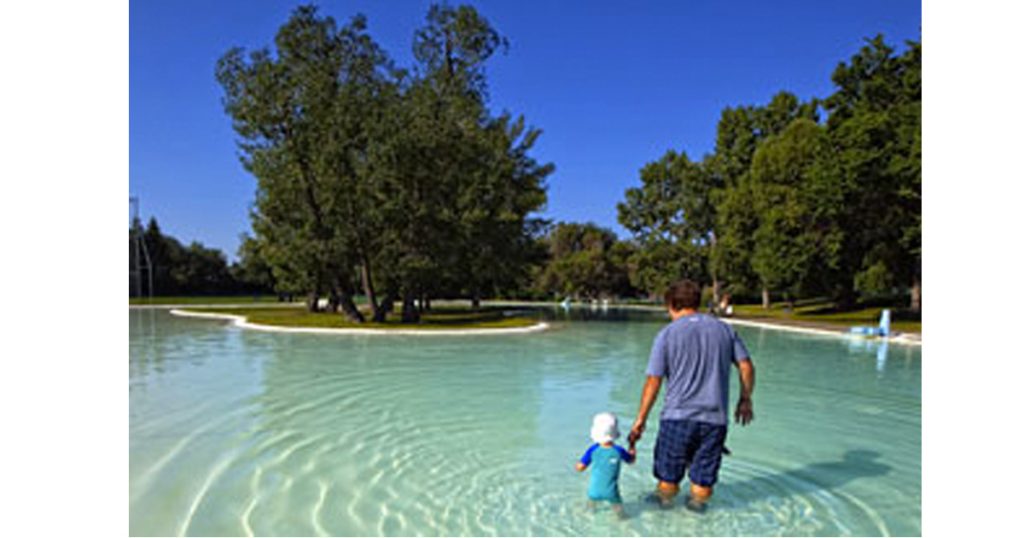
604,458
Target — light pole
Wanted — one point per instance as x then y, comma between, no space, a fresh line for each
142,260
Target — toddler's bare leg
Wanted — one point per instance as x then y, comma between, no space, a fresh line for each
619,511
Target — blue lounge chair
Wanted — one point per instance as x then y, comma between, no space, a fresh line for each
881,330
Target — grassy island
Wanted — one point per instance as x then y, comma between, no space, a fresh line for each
824,314
445,318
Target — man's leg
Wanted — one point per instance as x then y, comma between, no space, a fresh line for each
671,455
699,496
701,493
667,490
706,462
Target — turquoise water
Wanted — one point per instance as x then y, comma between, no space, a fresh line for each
235,432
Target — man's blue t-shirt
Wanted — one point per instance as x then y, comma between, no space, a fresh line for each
604,463
695,354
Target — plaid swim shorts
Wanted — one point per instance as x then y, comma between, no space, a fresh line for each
689,444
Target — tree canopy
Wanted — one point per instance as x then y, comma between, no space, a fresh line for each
396,183
585,261
793,205
400,184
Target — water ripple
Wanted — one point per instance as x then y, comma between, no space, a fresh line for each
262,434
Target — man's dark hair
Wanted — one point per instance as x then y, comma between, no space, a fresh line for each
683,294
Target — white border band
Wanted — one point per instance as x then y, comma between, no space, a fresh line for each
242,322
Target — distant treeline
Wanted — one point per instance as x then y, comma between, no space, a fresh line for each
192,269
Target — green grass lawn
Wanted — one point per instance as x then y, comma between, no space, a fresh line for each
214,299
437,318
825,313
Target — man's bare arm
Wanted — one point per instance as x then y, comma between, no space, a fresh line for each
647,399
745,407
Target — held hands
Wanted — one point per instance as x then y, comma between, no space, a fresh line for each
635,434
744,411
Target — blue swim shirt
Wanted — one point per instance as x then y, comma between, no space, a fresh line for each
604,464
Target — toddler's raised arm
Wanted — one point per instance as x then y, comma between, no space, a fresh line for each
585,460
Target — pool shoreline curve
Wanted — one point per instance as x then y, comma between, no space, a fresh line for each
901,338
910,339
243,322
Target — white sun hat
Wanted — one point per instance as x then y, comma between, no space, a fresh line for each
605,428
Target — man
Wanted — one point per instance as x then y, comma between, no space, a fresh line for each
693,354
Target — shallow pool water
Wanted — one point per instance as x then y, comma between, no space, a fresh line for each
236,432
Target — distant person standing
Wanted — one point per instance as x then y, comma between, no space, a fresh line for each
725,306
693,355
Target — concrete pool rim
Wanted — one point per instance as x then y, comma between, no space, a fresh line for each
242,321
901,338
910,339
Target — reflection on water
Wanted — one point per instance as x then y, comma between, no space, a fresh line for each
242,432
593,312
878,346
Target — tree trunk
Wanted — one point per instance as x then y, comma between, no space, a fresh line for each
915,295
348,307
426,303
313,301
476,300
333,300
371,296
766,300
716,286
409,312
387,304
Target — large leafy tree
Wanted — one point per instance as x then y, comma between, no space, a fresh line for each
297,143
492,209
797,199
875,125
672,220
741,131
465,227
735,219
400,184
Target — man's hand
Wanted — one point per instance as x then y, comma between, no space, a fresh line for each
745,407
580,466
635,433
650,393
744,411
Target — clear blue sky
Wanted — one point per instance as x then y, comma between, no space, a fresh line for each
612,85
